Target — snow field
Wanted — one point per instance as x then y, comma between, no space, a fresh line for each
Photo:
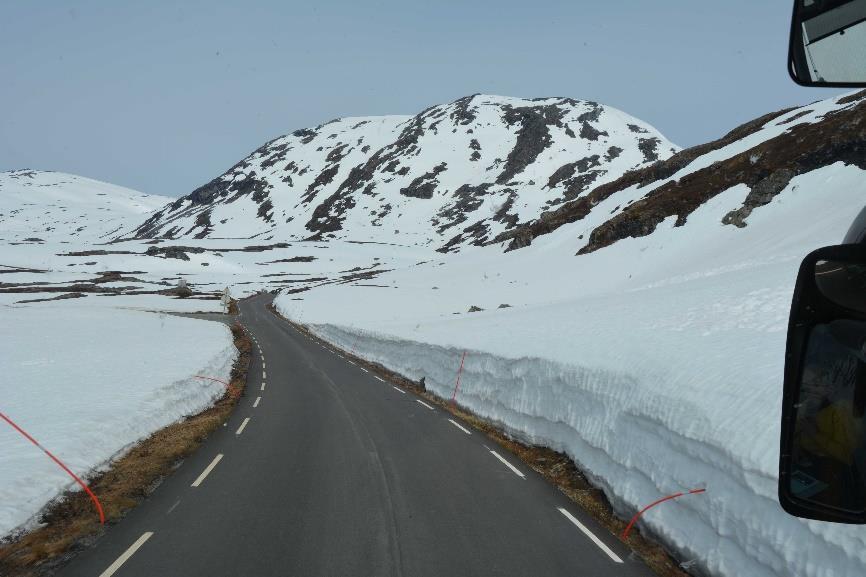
88,383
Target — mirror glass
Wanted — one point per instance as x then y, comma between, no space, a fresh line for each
832,41
842,283
828,460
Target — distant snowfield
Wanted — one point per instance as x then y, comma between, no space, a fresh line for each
87,382
656,363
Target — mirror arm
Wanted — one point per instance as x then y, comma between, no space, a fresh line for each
798,68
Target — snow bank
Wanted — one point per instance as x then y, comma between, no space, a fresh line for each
87,383
687,400
655,363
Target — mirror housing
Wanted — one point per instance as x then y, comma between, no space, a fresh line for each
825,389
828,43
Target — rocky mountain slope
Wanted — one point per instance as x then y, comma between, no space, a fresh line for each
453,175
763,154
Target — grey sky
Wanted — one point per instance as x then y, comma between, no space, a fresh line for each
163,97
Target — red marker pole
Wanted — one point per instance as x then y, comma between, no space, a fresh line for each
62,466
460,370
653,504
228,385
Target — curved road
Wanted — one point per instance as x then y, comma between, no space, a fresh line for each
325,470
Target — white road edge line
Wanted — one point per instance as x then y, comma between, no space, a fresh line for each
399,389
514,469
425,404
242,427
591,535
256,403
459,426
127,554
207,470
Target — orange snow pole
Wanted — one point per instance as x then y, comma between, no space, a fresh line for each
460,370
61,465
653,504
230,388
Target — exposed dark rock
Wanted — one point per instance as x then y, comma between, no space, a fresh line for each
305,134
337,154
589,132
593,114
794,117
203,222
612,152
566,171
648,147
762,193
462,113
278,154
475,309
532,138
467,198
322,179
424,185
265,211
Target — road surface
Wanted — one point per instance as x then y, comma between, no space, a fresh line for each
325,470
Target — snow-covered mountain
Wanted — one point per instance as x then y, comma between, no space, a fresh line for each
453,175
43,205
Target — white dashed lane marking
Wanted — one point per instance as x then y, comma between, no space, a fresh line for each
614,557
257,401
398,390
459,426
126,554
423,403
514,469
207,471
243,426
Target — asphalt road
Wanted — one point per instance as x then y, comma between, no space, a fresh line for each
325,470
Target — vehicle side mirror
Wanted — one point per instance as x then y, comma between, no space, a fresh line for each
822,465
828,43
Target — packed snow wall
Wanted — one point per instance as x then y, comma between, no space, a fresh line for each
636,445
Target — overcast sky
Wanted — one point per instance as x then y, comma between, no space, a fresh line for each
162,97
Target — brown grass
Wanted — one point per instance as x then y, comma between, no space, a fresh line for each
70,522
556,467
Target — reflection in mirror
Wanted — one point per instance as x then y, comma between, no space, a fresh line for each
842,283
828,461
834,39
